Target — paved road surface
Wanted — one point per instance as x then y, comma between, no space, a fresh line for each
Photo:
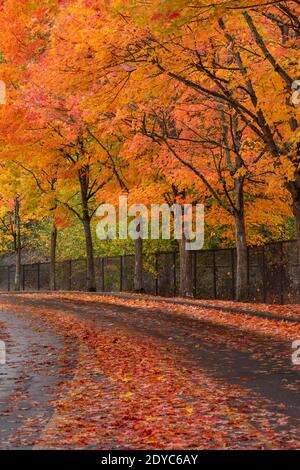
259,363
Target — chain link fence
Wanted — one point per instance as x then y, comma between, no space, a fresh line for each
273,273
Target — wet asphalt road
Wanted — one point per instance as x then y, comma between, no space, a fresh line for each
37,361
259,363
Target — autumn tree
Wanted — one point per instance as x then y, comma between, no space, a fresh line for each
197,83
45,176
19,214
218,151
199,47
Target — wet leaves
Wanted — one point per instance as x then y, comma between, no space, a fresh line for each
132,389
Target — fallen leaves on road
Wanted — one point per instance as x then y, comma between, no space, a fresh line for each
131,393
276,328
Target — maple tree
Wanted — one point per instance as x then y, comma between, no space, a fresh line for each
84,158
217,151
19,214
232,72
25,29
166,102
45,179
193,83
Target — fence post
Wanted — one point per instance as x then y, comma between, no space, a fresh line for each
215,275
264,274
8,278
248,268
233,273
23,277
157,274
281,275
38,277
195,273
174,273
70,275
122,264
103,274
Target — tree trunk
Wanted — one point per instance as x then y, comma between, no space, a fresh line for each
186,270
296,204
241,290
90,263
294,189
139,266
297,217
18,249
53,256
241,277
86,220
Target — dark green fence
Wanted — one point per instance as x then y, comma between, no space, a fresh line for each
273,273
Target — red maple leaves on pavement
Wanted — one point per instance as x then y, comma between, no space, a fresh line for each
132,391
